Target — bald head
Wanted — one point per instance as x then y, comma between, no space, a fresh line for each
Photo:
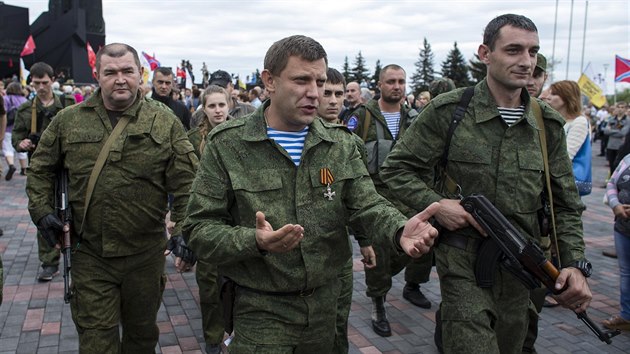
353,94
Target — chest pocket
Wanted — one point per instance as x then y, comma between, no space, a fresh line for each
143,154
469,161
82,148
257,189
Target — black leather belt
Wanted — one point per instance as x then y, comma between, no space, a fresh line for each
462,242
300,293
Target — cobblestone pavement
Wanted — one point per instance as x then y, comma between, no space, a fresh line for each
34,318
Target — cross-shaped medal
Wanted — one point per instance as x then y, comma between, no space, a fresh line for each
329,193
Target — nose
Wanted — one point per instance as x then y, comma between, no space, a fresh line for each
312,90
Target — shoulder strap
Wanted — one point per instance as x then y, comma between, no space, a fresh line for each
34,116
543,145
366,123
100,162
458,115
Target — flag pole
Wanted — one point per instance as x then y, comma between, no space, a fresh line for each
553,47
566,76
584,35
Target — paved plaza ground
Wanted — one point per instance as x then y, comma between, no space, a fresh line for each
34,318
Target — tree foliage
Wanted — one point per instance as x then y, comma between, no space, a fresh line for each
360,72
346,70
477,68
377,71
424,73
455,68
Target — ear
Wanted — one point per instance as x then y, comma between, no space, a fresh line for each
484,52
268,81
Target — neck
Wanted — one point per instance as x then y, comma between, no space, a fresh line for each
388,107
503,96
47,100
274,121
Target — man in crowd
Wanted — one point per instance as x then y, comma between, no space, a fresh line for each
123,154
353,100
254,96
25,138
391,118
272,212
162,91
536,83
495,151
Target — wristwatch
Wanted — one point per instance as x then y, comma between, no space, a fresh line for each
584,266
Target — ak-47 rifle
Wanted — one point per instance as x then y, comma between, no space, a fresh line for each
65,214
519,255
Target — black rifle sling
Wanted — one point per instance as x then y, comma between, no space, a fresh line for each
447,182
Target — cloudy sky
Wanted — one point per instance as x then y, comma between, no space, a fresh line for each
234,35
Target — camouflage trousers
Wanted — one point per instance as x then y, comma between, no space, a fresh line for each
388,264
475,320
108,291
344,301
285,324
48,256
211,306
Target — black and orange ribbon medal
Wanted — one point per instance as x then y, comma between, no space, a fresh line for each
326,178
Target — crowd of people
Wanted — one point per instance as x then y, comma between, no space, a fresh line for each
259,191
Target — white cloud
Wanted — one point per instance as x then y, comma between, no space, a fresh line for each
234,35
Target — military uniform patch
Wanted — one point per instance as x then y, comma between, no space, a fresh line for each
353,122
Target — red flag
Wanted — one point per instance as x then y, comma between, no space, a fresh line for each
622,69
181,73
29,47
91,59
153,63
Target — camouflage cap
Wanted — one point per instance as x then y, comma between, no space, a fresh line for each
541,62
441,85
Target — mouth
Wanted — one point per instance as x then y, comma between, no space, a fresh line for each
308,109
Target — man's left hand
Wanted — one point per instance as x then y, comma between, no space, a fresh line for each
418,235
577,295
369,257
184,256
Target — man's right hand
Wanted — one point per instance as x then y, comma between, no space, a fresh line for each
452,216
50,226
26,145
282,240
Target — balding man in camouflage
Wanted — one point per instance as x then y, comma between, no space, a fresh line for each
118,247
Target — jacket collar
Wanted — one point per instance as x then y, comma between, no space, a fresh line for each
485,107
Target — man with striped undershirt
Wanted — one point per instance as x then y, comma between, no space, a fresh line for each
392,118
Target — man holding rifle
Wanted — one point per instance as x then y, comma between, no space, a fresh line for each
495,151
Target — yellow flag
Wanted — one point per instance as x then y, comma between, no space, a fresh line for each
592,91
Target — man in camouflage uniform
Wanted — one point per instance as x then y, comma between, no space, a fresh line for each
287,278
502,161
118,247
24,139
392,81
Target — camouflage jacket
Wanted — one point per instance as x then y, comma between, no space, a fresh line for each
486,156
407,115
152,157
242,171
22,125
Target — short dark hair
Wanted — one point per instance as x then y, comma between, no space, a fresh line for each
116,50
491,33
41,69
164,70
335,77
15,88
390,67
301,46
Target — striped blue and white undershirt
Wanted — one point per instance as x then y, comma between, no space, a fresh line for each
511,115
393,121
292,142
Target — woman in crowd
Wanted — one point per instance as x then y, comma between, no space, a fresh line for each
618,193
564,96
215,111
13,99
423,99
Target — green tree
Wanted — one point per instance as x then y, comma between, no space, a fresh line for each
377,71
455,68
359,72
346,70
425,73
477,68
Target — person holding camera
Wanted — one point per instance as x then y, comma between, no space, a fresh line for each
25,136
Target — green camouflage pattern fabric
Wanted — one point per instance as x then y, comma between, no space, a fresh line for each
152,157
440,86
503,163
